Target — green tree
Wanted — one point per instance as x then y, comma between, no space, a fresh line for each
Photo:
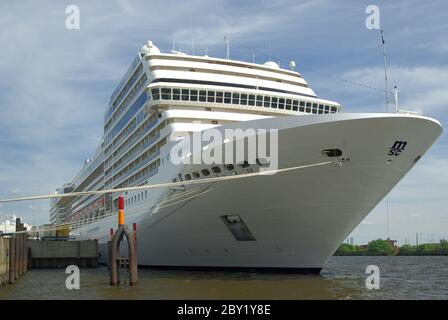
407,249
380,247
348,249
444,245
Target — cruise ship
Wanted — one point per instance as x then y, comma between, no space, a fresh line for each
332,168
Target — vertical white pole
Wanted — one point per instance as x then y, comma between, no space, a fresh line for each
192,39
396,99
385,69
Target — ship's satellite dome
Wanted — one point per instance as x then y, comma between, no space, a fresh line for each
149,48
144,50
272,64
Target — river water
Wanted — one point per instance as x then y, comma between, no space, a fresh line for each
342,278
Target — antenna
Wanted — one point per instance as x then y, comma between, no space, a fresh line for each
385,69
227,39
395,91
192,39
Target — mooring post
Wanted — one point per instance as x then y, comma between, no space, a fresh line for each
133,257
21,250
17,255
114,252
25,251
12,259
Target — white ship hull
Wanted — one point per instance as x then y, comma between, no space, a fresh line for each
297,218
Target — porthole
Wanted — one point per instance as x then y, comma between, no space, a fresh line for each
205,172
187,177
216,169
332,153
196,175
262,162
229,166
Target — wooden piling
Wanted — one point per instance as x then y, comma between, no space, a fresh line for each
12,259
17,255
21,249
25,251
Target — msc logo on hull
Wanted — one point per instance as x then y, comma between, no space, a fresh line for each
397,147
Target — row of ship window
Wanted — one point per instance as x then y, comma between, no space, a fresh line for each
130,96
139,197
216,170
205,172
238,98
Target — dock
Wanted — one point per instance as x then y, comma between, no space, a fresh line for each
19,253
60,253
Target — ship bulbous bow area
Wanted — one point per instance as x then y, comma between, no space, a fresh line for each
297,219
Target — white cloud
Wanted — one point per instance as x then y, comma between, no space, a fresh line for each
422,87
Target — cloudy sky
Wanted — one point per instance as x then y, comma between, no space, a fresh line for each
55,82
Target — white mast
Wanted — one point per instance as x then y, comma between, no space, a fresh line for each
228,47
395,91
385,70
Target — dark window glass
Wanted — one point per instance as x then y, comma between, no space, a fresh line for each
227,97
219,96
155,94
251,100
295,105
185,95
314,108
236,98
288,104
281,103
194,95
267,102
274,103
205,172
334,109
259,101
176,94
321,109
166,93
244,99
308,107
302,103
211,96
202,95
187,176
327,109
196,175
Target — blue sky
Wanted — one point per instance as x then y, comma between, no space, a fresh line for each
55,82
